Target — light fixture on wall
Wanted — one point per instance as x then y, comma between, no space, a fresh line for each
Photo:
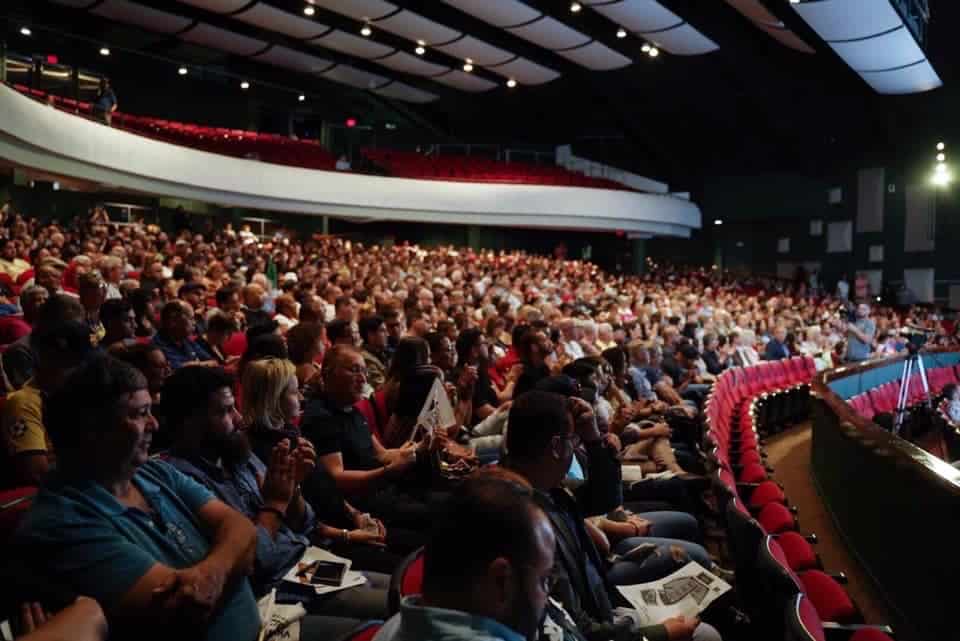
511,83
468,65
104,51
244,85
25,31
301,98
621,33
575,7
309,10
183,71
717,221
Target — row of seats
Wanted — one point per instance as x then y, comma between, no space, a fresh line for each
883,398
780,579
408,164
273,148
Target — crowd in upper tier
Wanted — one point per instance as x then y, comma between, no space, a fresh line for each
199,408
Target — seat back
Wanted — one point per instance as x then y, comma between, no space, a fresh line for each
744,535
365,632
407,579
776,586
801,621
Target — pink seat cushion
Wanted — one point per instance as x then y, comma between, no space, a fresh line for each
799,553
766,492
828,597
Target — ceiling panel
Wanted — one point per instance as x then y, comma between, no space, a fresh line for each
406,93
137,14
352,45
551,34
219,6
210,36
849,19
477,50
273,19
501,13
295,60
525,72
596,56
894,49
684,41
355,77
409,63
914,79
414,27
358,9
465,81
637,15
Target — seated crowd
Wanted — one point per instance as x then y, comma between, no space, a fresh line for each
195,422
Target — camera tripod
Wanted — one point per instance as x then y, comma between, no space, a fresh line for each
913,364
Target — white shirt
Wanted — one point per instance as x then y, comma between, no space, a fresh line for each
573,349
843,289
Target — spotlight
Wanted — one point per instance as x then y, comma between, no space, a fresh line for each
645,48
309,10
244,85
794,1
25,31
511,83
366,31
575,7
717,222
420,51
182,71
621,33
468,65
104,51
301,98
941,178
654,52
940,146
941,157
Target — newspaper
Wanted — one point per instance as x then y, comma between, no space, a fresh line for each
350,580
687,592
279,622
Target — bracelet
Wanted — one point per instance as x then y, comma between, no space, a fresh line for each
272,510
346,536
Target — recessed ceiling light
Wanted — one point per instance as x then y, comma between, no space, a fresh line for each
654,52
468,67
104,51
309,10
621,33
301,98
25,31
366,31
182,71
717,222
244,85
940,146
645,48
511,83
420,50
941,157
575,7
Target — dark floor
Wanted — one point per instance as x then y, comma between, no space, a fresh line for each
789,455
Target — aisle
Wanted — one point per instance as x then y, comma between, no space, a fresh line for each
789,455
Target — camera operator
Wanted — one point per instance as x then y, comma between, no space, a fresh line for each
860,333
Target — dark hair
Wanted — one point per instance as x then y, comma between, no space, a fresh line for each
86,404
220,322
617,358
411,352
369,324
188,390
136,355
171,309
58,309
113,310
414,389
338,329
263,346
340,301
535,418
519,330
301,340
435,341
467,339
581,369
465,521
224,294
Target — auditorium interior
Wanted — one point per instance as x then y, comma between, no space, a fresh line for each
507,320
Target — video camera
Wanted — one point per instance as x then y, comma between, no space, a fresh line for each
917,337
847,311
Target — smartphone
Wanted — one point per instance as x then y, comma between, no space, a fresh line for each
293,436
328,573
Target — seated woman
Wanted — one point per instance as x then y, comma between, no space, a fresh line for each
305,345
271,405
411,353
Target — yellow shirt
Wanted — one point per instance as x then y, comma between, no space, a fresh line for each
22,422
13,267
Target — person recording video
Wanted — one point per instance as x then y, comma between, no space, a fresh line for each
860,333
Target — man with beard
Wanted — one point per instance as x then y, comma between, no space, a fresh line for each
373,333
210,447
477,586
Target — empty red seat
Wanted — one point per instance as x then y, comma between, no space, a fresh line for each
776,518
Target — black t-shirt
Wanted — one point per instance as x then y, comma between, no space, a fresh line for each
529,379
334,429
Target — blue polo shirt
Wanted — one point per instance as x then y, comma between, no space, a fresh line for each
79,535
180,354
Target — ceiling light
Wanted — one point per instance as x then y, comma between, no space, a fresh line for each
940,146
575,7
420,50
422,43
511,83
309,10
468,67
941,178
301,98
654,52
182,71
941,157
366,31
645,48
244,85
25,31
794,1
717,222
104,51
941,168
621,33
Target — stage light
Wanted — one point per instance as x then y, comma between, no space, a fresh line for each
309,10
420,50
645,48
104,51
351,123
301,98
25,31
717,222
621,33
654,52
511,83
940,146
182,71
244,85
941,157
366,31
575,7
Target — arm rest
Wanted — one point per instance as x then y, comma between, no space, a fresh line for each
839,577
842,632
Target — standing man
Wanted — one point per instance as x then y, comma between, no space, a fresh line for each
860,335
105,103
